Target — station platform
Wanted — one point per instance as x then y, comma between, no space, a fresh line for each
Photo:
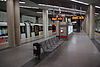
77,51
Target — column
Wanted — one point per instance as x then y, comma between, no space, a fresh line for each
45,23
91,21
87,23
13,22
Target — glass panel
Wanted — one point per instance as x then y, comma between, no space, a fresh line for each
31,20
3,25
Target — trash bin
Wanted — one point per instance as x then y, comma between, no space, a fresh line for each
37,50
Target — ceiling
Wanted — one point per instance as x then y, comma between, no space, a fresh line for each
69,4
23,11
95,2
61,3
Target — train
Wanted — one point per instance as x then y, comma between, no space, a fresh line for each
27,31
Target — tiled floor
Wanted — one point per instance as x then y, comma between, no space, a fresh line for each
78,51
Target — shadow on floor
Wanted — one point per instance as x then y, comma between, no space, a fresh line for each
96,43
35,61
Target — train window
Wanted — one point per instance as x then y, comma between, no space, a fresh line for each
36,27
0,32
32,29
53,27
50,28
40,28
22,29
3,31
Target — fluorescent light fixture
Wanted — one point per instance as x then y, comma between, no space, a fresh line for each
22,2
49,6
97,6
74,22
29,7
79,2
42,12
38,12
19,2
97,13
2,0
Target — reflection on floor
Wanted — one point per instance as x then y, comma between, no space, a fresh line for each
96,40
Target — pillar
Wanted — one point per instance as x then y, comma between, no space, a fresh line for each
45,23
87,24
91,21
13,13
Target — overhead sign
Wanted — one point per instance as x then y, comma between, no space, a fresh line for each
78,17
55,19
59,18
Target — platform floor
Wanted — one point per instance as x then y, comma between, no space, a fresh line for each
78,51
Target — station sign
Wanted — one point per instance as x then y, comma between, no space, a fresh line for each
57,19
78,18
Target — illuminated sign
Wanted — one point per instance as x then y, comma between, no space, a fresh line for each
78,17
81,17
59,18
75,18
55,19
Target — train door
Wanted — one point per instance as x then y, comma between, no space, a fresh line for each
36,27
28,30
41,31
63,30
22,30
53,29
50,30
32,30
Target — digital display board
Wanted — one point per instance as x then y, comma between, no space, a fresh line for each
78,17
60,18
55,19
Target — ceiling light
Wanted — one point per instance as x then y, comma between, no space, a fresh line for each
97,6
22,2
29,7
97,13
49,6
2,0
19,2
79,2
38,12
42,12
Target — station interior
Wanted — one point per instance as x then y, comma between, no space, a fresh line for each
49,33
